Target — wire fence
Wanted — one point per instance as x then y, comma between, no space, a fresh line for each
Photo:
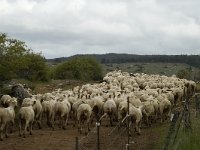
109,139
116,138
180,119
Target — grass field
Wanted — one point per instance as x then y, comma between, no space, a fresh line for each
151,68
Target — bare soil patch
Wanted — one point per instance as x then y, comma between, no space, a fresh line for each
59,139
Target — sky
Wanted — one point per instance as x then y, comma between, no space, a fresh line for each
62,28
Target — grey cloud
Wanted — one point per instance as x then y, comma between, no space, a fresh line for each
64,28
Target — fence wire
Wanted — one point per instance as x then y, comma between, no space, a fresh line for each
114,138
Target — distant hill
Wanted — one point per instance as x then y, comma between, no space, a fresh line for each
193,60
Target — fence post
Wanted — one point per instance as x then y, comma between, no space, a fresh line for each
172,130
98,139
76,143
127,145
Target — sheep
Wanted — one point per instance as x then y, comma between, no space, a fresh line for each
97,108
149,93
119,98
7,115
5,100
191,85
178,94
134,101
148,111
156,110
48,108
164,109
84,112
110,109
135,113
72,99
170,96
122,110
62,108
26,117
75,108
37,107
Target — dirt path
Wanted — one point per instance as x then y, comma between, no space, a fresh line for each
46,139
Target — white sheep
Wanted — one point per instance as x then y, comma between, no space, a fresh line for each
75,108
5,100
135,114
97,107
26,117
7,115
148,111
84,112
38,109
48,108
135,101
62,109
110,110
122,110
164,109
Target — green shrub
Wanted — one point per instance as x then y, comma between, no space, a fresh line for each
183,73
81,68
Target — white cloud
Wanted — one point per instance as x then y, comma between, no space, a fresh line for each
68,27
189,30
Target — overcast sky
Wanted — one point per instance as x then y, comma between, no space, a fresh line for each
60,28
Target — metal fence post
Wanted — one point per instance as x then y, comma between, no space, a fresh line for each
127,145
98,138
76,143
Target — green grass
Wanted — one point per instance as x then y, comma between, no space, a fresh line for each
160,131
189,140
184,140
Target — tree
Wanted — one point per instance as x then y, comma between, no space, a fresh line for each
18,61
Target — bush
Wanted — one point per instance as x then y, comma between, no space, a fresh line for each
183,73
81,68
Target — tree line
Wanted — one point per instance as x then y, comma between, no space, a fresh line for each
17,61
192,60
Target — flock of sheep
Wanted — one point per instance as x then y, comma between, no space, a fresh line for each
150,97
